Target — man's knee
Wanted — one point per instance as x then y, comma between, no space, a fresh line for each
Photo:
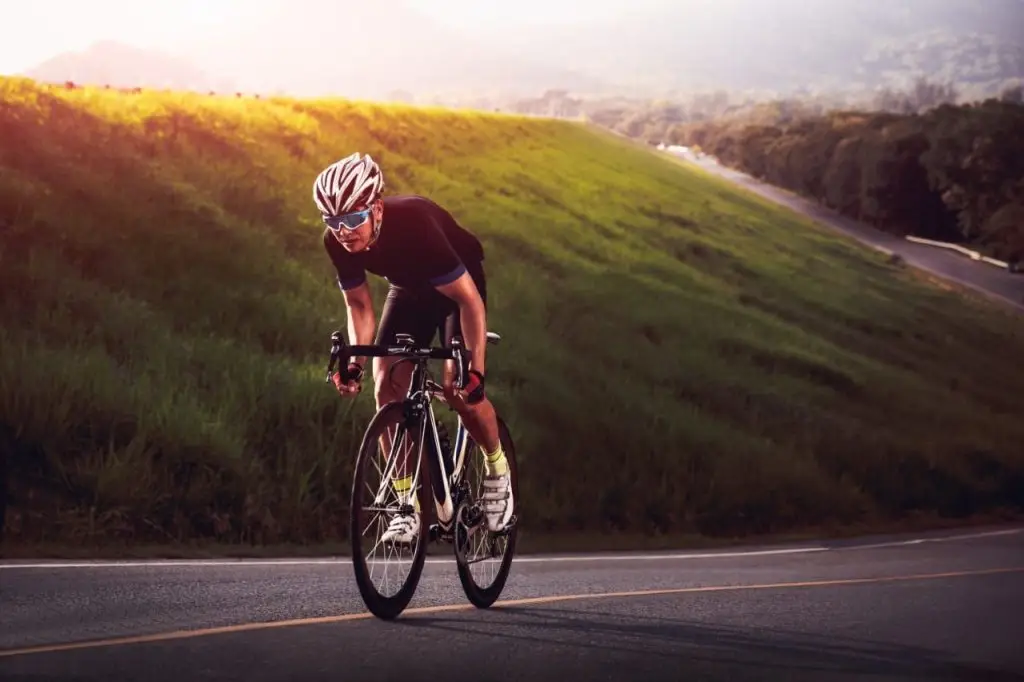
390,383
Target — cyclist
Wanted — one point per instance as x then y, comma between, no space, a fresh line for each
436,284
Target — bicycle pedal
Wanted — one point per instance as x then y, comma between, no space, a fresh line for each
437,534
508,527
400,548
476,516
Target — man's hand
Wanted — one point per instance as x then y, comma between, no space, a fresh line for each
351,383
471,394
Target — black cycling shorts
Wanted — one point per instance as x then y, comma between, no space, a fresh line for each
422,314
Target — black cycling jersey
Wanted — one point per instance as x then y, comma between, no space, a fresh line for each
420,246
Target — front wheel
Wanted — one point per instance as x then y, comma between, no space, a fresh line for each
375,501
483,558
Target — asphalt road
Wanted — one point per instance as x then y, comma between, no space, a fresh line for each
985,278
946,606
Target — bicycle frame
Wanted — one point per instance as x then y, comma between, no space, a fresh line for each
445,490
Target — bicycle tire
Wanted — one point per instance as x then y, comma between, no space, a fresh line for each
484,597
385,608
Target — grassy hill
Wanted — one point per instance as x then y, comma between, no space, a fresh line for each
678,357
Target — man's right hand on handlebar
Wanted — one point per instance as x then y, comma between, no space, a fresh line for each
349,382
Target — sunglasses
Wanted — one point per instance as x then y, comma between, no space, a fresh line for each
349,221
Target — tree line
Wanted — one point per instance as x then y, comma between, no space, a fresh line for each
952,173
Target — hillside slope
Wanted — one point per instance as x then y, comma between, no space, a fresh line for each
678,357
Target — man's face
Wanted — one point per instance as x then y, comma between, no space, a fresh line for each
357,239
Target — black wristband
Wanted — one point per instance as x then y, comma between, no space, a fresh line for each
354,372
477,394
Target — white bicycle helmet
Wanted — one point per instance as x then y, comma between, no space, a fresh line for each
352,181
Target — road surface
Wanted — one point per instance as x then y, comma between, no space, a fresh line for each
941,606
987,279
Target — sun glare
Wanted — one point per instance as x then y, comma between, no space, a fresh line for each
33,32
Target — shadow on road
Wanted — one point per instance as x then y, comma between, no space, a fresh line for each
695,647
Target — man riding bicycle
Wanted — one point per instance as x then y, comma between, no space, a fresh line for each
436,284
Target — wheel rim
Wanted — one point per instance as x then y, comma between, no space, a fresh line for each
388,565
479,550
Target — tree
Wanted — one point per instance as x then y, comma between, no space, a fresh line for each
1013,94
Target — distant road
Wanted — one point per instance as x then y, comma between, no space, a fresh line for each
938,606
987,279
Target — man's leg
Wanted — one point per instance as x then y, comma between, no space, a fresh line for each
481,420
387,383
401,315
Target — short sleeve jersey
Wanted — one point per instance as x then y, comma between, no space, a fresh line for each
420,246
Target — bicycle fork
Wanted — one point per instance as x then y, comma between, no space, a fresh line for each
445,468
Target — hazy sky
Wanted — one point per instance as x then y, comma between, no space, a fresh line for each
35,30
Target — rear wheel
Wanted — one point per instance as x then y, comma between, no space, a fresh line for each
483,558
387,573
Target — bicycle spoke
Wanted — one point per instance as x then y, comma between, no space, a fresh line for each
481,540
383,504
484,558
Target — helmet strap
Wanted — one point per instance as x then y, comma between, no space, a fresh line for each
376,229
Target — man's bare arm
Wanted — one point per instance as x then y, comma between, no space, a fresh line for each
473,317
361,321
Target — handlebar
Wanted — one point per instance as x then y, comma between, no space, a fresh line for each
403,347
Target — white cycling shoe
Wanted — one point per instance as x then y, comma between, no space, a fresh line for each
403,529
496,501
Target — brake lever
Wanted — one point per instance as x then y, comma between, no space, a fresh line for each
457,346
337,343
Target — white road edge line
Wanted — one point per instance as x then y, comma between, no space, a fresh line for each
175,563
656,557
945,538
172,563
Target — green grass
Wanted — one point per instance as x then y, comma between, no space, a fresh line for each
679,359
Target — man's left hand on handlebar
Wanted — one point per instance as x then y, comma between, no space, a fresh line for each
351,383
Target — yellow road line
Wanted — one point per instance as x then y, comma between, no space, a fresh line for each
244,627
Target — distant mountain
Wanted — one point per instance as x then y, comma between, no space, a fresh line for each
124,66
377,49
790,44
371,49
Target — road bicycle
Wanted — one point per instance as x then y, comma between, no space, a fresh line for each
445,496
